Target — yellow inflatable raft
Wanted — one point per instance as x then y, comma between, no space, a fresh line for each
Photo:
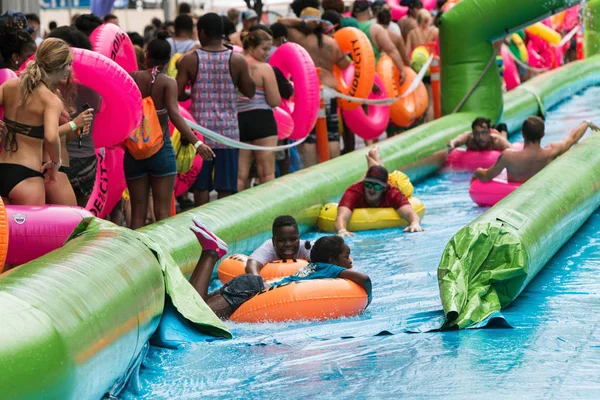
367,218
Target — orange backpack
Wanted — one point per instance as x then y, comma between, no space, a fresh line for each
147,139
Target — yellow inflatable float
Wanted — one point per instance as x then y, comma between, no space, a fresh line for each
364,219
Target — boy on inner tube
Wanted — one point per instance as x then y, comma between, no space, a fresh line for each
375,191
523,164
330,255
284,245
481,138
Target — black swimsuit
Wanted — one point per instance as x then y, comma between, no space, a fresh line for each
13,174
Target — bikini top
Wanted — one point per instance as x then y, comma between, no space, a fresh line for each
14,128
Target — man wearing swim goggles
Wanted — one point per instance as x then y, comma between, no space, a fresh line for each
375,192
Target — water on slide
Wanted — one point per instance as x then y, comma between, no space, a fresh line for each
552,349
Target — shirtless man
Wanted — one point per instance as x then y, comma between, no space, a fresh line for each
409,22
481,138
523,164
378,36
325,53
384,18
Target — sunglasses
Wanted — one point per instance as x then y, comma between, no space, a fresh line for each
372,185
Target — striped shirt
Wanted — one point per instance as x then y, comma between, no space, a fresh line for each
214,96
258,102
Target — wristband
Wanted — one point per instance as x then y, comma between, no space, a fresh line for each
343,230
588,122
73,125
198,144
57,165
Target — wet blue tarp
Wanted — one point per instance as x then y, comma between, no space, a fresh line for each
552,348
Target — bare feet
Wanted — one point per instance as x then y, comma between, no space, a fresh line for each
373,157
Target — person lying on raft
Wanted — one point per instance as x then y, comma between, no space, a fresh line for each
330,259
482,138
372,192
284,245
523,164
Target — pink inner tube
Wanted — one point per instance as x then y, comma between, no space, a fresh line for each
5,75
294,61
112,42
462,159
184,181
123,98
285,123
399,12
368,126
35,231
511,74
110,181
489,193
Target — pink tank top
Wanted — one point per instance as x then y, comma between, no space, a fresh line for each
214,96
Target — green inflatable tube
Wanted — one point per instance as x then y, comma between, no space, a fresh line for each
591,27
466,35
72,322
488,263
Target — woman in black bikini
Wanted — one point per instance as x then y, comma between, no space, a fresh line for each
32,109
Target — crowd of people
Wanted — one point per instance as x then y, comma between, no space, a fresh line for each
48,118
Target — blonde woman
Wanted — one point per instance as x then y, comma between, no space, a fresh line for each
255,116
32,109
424,34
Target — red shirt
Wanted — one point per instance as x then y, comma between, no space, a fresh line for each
354,197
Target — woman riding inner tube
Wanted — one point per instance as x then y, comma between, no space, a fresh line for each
330,259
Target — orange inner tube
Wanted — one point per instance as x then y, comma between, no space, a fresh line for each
310,300
235,265
4,229
406,110
355,42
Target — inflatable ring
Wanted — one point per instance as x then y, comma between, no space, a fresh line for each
520,45
5,75
310,300
110,181
462,159
235,265
353,40
183,181
364,219
112,42
490,193
544,32
121,98
292,60
4,234
285,123
368,126
35,231
406,110
511,74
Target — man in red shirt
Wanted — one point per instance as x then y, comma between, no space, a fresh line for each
375,191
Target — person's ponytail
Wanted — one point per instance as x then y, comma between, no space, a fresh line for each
30,77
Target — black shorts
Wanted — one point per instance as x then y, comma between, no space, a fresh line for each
333,129
256,124
82,174
241,289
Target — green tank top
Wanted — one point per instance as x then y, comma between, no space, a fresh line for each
365,27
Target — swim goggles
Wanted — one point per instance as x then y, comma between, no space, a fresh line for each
373,185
